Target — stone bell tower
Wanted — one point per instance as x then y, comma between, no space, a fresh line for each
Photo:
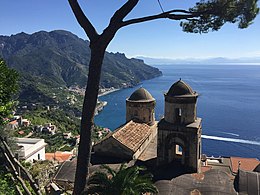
140,107
179,132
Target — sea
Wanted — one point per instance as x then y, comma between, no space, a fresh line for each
228,103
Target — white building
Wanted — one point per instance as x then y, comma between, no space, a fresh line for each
31,149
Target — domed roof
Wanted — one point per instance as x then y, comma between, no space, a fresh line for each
141,94
180,88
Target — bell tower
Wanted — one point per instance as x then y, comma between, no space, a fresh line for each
179,132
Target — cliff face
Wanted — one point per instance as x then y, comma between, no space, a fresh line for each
60,58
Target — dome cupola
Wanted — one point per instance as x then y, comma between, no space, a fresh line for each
141,94
140,107
180,88
180,104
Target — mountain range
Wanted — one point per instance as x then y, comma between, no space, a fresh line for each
62,57
59,59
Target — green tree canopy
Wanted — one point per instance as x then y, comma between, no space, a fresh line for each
8,87
213,14
125,181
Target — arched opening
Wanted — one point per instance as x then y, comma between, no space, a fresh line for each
176,153
179,154
176,150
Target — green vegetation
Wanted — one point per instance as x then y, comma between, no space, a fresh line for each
50,62
64,121
67,148
98,133
125,181
42,95
8,87
6,184
56,142
42,171
26,131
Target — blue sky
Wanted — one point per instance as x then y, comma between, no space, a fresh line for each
159,39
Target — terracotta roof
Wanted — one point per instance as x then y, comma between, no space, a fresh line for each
132,135
58,156
13,122
246,164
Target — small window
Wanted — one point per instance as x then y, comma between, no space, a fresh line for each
179,112
178,115
39,156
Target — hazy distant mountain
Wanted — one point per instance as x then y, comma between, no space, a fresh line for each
219,60
62,58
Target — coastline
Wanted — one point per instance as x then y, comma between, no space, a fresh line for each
102,104
108,91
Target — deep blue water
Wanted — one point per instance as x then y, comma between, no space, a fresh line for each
229,105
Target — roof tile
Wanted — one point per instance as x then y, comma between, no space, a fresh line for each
132,135
247,164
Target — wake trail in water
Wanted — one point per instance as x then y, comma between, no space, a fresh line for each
234,134
242,141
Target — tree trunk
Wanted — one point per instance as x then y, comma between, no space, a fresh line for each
88,113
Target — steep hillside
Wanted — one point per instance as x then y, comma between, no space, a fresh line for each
62,58
50,63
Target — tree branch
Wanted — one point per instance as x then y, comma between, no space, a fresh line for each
116,20
183,14
83,20
121,13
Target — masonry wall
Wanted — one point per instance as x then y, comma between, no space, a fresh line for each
111,147
188,112
40,155
188,138
140,112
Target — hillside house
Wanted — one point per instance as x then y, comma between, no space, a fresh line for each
13,125
49,128
31,149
